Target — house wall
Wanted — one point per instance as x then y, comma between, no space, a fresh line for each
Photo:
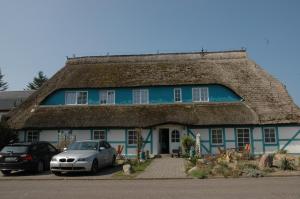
287,138
157,95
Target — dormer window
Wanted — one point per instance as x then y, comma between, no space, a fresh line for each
200,94
107,97
140,96
76,97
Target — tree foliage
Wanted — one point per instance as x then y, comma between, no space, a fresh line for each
7,134
37,82
3,84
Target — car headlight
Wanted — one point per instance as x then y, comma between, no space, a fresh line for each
53,160
82,159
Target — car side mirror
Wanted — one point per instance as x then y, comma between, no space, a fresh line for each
101,148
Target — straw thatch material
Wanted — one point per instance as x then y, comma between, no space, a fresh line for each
266,100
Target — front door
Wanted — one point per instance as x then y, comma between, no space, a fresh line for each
164,141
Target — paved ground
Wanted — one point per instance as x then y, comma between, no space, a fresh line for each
165,168
267,188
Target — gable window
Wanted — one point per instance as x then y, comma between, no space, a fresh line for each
99,135
269,135
175,136
107,97
32,136
140,96
76,97
131,137
177,95
200,94
217,136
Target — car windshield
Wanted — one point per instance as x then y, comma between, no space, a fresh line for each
84,146
14,149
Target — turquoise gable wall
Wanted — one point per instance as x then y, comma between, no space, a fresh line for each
157,95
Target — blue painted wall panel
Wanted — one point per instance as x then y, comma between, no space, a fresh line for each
157,95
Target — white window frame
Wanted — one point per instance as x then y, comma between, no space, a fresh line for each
237,141
175,136
275,137
201,93
76,97
132,137
100,132
139,92
217,130
180,95
32,134
105,92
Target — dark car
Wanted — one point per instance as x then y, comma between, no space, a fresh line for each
34,156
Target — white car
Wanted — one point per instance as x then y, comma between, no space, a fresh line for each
88,155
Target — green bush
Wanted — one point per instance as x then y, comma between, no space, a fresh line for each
200,174
253,172
187,142
222,169
286,164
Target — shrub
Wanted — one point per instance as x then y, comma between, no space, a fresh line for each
187,142
282,151
222,169
200,174
253,172
286,164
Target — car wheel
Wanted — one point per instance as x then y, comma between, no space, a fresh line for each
57,173
113,161
94,168
40,167
6,172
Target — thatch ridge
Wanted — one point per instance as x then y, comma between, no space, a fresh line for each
262,94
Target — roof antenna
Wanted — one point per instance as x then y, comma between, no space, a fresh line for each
107,54
74,56
243,48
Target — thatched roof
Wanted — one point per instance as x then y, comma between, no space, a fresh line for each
266,100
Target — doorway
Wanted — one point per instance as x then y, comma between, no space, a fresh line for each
164,141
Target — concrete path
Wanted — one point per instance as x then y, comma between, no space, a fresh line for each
165,167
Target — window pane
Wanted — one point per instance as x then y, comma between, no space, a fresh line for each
144,96
196,94
82,97
70,97
136,96
204,94
177,95
110,97
103,96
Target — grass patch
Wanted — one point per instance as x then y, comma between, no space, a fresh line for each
200,174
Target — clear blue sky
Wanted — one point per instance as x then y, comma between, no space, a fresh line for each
39,34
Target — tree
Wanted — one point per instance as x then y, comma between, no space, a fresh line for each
38,81
7,135
3,84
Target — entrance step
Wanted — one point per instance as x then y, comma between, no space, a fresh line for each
163,155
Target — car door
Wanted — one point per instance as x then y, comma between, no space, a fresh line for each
102,154
110,153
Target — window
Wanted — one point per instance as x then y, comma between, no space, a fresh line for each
82,97
200,94
107,97
32,136
70,97
269,135
175,136
140,96
243,137
76,97
132,137
217,136
177,95
99,135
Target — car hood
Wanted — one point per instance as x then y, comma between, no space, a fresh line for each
76,154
